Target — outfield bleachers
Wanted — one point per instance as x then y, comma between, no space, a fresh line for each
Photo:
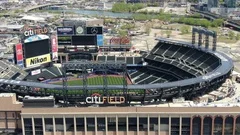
10,71
175,62
47,73
148,75
195,61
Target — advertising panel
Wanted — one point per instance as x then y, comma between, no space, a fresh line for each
20,63
19,52
54,48
64,40
65,31
84,40
120,41
94,30
99,40
38,60
36,72
80,30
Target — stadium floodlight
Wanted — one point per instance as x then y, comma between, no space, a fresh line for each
203,31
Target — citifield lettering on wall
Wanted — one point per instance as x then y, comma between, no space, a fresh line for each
36,31
98,99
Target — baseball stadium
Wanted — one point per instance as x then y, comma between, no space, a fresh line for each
115,93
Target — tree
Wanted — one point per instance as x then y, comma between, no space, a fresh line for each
148,28
185,30
238,36
168,32
231,35
217,22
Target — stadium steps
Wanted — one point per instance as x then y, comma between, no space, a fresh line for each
145,78
203,64
54,70
60,72
139,77
149,80
176,52
197,60
46,70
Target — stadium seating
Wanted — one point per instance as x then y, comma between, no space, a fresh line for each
149,75
10,71
192,60
175,62
47,73
130,60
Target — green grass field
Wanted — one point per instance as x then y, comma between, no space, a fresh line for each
98,80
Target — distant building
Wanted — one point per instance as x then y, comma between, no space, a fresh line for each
231,3
145,1
212,3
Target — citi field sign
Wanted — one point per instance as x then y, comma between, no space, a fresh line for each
98,99
35,31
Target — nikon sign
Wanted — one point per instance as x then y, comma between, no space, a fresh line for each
37,61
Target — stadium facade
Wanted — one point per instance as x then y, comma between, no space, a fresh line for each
117,120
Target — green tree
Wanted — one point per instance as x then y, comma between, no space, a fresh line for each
231,35
126,7
217,22
148,28
238,37
185,29
168,32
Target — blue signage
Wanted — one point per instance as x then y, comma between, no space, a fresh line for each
20,63
65,31
99,40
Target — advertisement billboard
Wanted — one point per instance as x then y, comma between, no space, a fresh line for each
84,40
64,40
38,60
19,52
120,41
80,30
65,31
99,40
36,72
94,30
54,48
36,48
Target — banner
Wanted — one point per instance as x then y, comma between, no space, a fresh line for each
54,48
36,72
38,60
99,40
19,52
65,31
120,41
